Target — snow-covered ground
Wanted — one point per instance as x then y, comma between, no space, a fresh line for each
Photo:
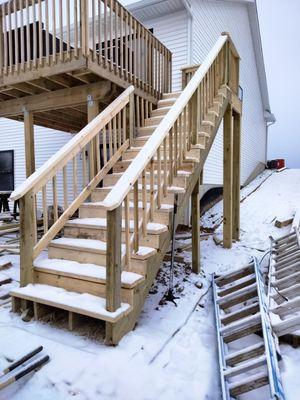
172,353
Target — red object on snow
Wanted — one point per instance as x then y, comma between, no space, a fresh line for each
280,163
276,164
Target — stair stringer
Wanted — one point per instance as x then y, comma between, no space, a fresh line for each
115,331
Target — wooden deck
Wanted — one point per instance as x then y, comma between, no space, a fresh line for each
55,56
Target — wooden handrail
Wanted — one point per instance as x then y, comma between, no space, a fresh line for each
135,169
38,179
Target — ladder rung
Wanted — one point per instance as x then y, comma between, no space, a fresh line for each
233,276
240,324
243,282
245,367
245,354
238,296
241,313
250,383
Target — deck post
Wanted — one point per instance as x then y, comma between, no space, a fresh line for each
28,237
236,175
227,177
29,142
93,111
196,268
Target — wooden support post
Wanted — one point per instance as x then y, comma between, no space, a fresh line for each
227,178
236,175
29,143
196,229
113,259
28,238
93,111
84,18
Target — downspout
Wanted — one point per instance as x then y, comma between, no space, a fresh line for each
188,8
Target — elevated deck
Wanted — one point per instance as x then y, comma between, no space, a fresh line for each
54,55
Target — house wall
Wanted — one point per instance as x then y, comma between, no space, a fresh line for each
172,31
47,143
210,19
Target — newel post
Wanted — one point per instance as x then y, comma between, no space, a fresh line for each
28,239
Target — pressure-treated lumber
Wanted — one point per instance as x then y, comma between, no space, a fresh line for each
29,143
236,173
227,178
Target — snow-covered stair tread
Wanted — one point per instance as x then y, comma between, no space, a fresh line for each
81,303
92,272
96,246
152,228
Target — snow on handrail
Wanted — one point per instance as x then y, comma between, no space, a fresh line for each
129,177
72,148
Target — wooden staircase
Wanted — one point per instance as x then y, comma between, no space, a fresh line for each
102,263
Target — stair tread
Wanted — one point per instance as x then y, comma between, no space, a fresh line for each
84,271
164,206
81,303
97,246
152,227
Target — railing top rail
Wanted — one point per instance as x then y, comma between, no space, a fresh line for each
72,148
127,180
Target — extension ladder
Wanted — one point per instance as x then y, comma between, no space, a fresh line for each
284,283
241,309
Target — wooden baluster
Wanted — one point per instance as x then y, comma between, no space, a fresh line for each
180,133
144,201
10,45
76,28
143,112
40,33
97,151
54,50
93,31
65,187
159,196
116,37
130,49
54,187
2,43
47,32
99,32
126,45
104,132
185,119
175,151
152,198
136,217
165,185
127,232
68,29
5,50
124,124
75,177
132,116
120,128
110,139
105,34
35,47
115,140
137,110
61,33
45,208
111,52
121,47
16,44
84,169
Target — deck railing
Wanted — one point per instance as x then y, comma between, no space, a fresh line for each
153,170
41,33
110,132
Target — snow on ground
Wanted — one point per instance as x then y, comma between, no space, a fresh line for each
172,353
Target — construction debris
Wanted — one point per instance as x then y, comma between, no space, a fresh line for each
282,222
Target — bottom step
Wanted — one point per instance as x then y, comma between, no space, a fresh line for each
79,303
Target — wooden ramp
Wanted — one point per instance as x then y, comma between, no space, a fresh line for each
241,310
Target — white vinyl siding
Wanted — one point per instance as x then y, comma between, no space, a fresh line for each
172,32
47,143
210,19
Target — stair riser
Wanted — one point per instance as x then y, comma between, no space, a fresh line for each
100,234
121,166
181,181
161,217
80,285
166,103
100,196
153,120
171,95
160,111
82,256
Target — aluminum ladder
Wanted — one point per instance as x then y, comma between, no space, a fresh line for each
241,309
